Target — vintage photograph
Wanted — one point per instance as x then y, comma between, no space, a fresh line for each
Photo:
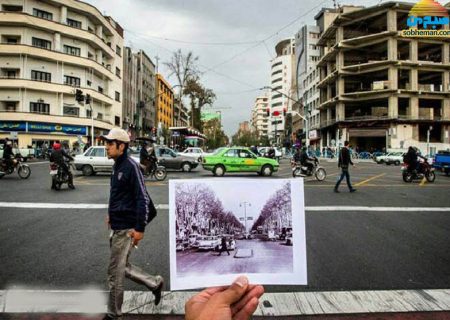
240,226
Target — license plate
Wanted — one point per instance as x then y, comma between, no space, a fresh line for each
53,172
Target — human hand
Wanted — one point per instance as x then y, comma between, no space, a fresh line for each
237,301
136,235
107,221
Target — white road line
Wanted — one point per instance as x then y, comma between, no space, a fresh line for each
34,205
280,304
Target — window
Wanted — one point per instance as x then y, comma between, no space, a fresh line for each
117,121
41,76
42,14
97,152
72,81
71,111
277,72
277,64
12,8
118,72
39,107
90,55
118,51
11,74
11,40
277,96
231,153
88,113
118,96
74,51
100,89
100,116
41,43
276,80
74,23
88,82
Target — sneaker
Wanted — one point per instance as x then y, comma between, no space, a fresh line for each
352,190
336,190
157,292
71,186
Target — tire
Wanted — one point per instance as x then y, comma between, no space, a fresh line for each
219,170
160,174
430,176
321,174
380,162
407,177
397,163
24,171
266,170
186,167
296,172
57,185
87,170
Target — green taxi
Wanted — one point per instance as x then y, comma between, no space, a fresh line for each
238,159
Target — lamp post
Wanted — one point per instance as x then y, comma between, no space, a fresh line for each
428,140
245,204
92,125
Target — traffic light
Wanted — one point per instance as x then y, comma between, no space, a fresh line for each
88,99
79,96
268,112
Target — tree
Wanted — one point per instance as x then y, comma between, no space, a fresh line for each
214,133
199,97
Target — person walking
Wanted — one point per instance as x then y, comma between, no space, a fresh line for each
223,246
130,210
344,162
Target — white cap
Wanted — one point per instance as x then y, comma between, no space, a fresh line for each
117,134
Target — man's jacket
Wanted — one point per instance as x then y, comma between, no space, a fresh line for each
344,158
8,152
58,156
130,206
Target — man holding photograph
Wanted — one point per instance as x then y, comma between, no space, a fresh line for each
130,210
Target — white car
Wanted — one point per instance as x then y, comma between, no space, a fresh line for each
394,158
382,158
264,150
95,160
207,242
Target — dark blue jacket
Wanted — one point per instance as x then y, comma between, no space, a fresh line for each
130,205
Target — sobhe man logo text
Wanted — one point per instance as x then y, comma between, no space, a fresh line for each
427,18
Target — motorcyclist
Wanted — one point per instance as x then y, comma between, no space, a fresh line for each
297,155
8,155
305,159
411,158
57,157
271,153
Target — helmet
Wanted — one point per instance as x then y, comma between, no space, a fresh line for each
56,146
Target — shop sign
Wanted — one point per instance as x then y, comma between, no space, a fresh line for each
56,128
312,134
12,126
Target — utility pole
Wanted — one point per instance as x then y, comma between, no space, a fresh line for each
428,140
245,204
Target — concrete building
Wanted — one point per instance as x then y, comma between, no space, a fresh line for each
164,103
130,97
307,55
281,85
48,50
378,89
260,119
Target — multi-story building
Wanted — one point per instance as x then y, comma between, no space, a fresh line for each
378,89
146,79
48,50
281,85
130,97
164,103
260,119
307,55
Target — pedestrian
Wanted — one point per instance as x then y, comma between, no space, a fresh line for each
130,210
344,162
86,146
223,246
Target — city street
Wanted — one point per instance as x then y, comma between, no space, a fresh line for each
353,241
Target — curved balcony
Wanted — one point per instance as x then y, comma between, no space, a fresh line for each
45,54
25,19
8,83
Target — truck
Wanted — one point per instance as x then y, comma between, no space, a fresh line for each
26,153
442,161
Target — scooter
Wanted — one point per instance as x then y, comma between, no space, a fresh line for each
425,171
23,170
302,171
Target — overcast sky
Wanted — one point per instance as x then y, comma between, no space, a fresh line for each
235,70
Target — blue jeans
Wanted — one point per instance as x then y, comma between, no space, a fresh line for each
346,175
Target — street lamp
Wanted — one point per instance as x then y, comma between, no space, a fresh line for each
428,140
245,204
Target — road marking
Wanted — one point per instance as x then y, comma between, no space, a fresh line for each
370,179
33,205
271,304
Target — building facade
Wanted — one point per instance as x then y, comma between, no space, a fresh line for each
48,50
146,92
260,119
281,87
130,97
164,103
378,89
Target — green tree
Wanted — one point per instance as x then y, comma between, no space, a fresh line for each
214,133
199,97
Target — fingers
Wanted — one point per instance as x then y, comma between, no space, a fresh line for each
253,291
246,312
235,291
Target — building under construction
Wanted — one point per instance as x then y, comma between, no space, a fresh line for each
379,89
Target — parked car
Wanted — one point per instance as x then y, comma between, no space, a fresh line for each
182,244
192,239
263,151
237,159
207,242
395,158
93,160
171,160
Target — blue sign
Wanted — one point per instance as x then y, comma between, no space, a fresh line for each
12,126
56,128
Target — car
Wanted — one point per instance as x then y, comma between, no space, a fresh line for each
171,160
394,158
289,240
238,159
207,242
263,151
182,244
192,239
93,160
26,153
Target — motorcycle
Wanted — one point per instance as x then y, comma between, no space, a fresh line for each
425,171
302,171
159,172
59,176
23,170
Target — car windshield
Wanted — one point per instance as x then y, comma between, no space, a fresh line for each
218,151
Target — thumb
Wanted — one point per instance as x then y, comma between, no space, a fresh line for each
235,291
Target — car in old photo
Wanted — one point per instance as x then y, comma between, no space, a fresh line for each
207,242
238,159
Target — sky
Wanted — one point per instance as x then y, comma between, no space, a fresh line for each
234,40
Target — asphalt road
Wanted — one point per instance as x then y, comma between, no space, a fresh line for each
346,250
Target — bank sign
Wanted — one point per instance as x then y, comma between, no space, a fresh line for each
428,18
42,127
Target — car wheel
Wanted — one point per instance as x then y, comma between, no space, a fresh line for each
186,167
397,163
219,170
88,170
266,170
